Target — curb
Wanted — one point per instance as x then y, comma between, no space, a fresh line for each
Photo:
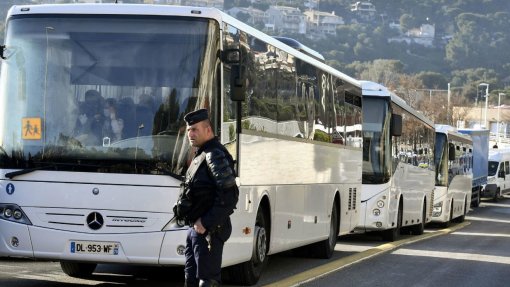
338,264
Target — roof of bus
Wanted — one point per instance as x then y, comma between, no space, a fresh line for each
373,89
452,132
171,10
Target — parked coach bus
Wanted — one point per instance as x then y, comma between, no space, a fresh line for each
398,165
454,175
93,141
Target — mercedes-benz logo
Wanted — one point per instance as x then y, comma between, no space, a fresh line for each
95,220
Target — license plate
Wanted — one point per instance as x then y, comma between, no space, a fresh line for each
94,247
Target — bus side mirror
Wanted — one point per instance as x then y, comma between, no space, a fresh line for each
2,51
237,82
501,174
396,125
451,152
237,87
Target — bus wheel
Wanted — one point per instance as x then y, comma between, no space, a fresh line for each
450,220
78,270
394,233
324,249
476,203
496,195
419,228
248,273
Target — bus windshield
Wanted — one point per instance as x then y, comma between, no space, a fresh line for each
376,141
104,93
441,159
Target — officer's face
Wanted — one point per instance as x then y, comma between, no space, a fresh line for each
199,133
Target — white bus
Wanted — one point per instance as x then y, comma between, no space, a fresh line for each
454,175
93,140
398,165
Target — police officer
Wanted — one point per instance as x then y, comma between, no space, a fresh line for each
210,194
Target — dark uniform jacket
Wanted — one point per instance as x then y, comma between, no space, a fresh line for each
210,187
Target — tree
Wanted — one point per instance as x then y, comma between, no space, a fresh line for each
432,80
385,72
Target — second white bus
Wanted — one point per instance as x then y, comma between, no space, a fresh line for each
398,165
454,175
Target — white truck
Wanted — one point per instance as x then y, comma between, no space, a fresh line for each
498,180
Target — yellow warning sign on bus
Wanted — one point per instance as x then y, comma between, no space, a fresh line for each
31,129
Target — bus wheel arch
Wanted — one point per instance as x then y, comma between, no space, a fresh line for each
249,272
394,233
419,228
461,218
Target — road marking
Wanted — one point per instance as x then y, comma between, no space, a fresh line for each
481,234
496,204
454,255
330,267
345,247
487,219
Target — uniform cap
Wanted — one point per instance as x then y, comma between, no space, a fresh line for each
196,116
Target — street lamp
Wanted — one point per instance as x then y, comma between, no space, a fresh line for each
499,106
486,102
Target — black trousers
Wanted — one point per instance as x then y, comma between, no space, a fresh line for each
202,263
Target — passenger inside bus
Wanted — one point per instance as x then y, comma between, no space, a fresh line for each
113,124
126,111
89,125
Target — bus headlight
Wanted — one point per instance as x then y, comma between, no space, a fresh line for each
17,214
380,204
438,209
376,212
7,212
14,213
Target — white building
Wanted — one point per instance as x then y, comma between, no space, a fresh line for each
423,36
322,23
287,19
255,15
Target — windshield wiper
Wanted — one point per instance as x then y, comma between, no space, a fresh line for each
11,175
47,165
166,171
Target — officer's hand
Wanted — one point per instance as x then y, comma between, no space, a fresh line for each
199,228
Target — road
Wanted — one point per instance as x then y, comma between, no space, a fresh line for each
474,255
477,255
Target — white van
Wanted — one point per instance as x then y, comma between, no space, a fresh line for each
498,181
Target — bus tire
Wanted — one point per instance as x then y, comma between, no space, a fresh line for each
249,272
76,269
450,219
324,249
496,195
420,227
476,203
394,233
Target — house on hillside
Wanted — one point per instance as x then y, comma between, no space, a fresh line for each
322,23
254,15
286,19
423,36
363,10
